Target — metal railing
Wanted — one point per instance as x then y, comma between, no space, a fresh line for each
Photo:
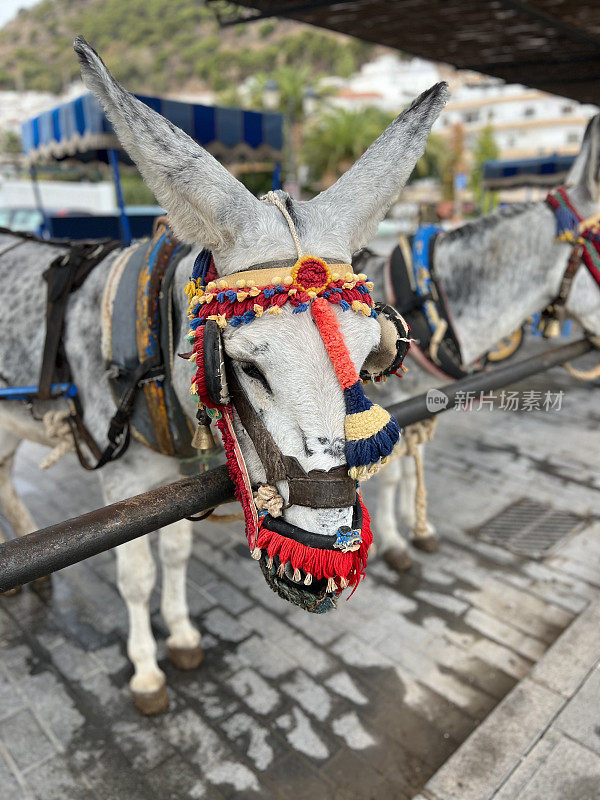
50,549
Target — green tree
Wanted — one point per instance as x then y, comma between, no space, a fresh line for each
453,161
485,150
10,143
337,138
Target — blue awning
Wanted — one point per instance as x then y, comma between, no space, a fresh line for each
79,129
546,171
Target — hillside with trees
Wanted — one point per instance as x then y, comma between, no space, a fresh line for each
164,46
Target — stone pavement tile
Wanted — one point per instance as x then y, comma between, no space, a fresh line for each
514,785
580,718
223,625
25,740
211,697
445,602
199,602
223,594
51,702
342,684
524,611
10,700
105,769
256,741
256,692
573,655
303,651
549,591
410,730
405,770
586,572
298,778
313,697
113,658
503,658
499,631
9,785
571,772
72,662
54,780
479,766
141,743
352,777
302,734
176,779
262,655
568,584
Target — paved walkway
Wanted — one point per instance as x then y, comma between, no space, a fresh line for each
367,702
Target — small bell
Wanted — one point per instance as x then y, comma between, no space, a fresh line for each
552,329
203,437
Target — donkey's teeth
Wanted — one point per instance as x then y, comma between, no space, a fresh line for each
343,583
297,576
270,562
308,579
331,585
256,553
281,570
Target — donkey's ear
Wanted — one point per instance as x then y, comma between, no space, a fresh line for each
206,204
358,201
585,171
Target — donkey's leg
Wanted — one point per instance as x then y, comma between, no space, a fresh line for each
175,545
413,506
388,538
11,504
137,471
136,574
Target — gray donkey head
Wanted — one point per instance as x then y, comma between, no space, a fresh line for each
280,361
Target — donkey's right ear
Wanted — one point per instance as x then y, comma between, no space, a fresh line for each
585,171
206,204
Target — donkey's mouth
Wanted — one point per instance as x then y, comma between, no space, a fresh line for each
314,598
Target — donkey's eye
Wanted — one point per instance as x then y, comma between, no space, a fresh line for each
252,371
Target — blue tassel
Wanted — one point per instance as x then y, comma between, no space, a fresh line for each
201,266
565,220
364,456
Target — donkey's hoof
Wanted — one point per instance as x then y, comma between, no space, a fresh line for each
397,559
185,657
11,592
428,544
152,703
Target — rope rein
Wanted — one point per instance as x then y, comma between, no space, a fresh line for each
272,198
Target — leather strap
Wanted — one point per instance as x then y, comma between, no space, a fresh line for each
66,274
316,489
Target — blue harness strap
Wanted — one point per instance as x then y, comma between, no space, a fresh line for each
421,251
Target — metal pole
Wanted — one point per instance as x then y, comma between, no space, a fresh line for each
50,549
417,409
124,219
37,194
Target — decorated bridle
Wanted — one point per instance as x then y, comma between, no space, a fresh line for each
308,569
584,237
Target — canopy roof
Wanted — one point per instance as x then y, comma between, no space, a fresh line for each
547,171
79,129
553,45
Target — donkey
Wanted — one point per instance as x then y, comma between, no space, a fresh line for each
495,272
279,361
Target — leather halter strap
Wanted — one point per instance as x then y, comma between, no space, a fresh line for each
318,488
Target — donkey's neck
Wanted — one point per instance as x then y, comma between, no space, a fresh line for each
497,271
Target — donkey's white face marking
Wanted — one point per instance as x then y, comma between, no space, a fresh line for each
288,376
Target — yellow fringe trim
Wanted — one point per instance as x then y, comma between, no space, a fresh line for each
366,423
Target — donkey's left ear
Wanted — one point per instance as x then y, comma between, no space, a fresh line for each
206,204
358,201
393,346
585,171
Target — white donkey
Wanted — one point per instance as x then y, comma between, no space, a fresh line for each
495,272
279,361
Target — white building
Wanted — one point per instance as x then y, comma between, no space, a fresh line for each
526,122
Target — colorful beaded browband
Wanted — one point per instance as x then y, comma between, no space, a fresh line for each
237,299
